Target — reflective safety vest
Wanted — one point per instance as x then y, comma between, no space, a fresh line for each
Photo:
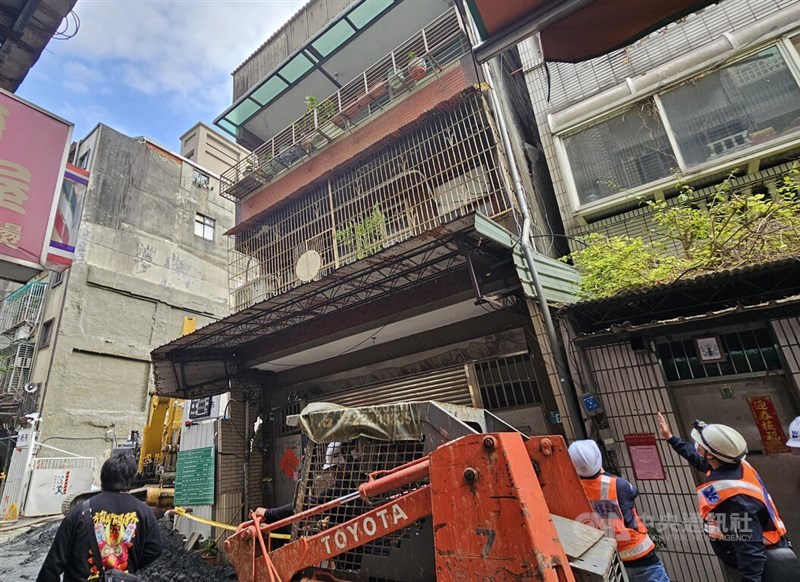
632,544
712,493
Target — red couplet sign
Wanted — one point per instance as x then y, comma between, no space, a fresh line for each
646,459
768,423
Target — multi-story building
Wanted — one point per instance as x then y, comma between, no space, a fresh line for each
373,259
713,95
150,251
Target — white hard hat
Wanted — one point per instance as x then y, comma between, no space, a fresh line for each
794,433
586,457
722,442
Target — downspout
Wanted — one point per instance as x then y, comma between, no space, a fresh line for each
246,467
525,244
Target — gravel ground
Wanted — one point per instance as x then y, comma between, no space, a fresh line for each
24,550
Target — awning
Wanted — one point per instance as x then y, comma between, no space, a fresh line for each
560,281
573,30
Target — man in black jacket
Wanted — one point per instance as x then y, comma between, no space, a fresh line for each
125,528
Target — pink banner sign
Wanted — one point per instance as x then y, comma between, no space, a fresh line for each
33,152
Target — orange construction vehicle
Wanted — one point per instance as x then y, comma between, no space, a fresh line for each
485,506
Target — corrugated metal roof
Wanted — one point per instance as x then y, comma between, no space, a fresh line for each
560,281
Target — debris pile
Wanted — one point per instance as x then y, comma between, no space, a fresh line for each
22,556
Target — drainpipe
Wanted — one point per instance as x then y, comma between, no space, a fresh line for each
525,244
246,466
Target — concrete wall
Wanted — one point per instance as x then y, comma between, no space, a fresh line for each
139,270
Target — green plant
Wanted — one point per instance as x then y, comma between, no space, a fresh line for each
411,55
208,547
725,230
364,236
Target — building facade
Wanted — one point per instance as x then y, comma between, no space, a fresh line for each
715,95
373,260
150,252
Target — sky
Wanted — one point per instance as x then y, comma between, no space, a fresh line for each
150,68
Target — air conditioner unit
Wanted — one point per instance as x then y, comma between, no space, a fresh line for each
255,291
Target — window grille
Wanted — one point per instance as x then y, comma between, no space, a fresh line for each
445,170
745,351
15,368
508,382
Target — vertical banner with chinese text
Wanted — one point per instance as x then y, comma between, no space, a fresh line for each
768,423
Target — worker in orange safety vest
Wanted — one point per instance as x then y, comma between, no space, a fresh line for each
742,522
612,499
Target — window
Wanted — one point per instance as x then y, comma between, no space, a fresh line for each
204,226
752,101
83,161
56,279
45,333
199,179
623,152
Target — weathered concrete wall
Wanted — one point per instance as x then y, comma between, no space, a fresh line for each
139,270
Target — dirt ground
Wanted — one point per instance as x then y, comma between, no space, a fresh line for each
25,547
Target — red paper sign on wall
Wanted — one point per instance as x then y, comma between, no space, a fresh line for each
645,458
768,423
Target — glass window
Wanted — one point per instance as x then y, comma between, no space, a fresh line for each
45,334
228,126
752,101
244,110
366,12
621,153
333,38
269,90
295,68
204,226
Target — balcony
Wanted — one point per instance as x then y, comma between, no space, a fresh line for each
448,168
20,311
417,62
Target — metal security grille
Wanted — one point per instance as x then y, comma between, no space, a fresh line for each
23,306
335,469
745,351
445,170
507,382
447,385
15,368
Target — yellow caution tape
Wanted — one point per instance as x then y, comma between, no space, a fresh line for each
184,513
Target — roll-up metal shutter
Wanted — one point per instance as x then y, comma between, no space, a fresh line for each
448,385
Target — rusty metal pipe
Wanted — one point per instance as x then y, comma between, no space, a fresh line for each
415,471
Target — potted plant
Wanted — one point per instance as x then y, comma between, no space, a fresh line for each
307,136
209,551
417,66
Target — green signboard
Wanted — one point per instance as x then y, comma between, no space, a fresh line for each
194,483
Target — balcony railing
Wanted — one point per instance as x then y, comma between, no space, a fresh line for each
417,62
445,170
23,306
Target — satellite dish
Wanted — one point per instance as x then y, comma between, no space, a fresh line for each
308,265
